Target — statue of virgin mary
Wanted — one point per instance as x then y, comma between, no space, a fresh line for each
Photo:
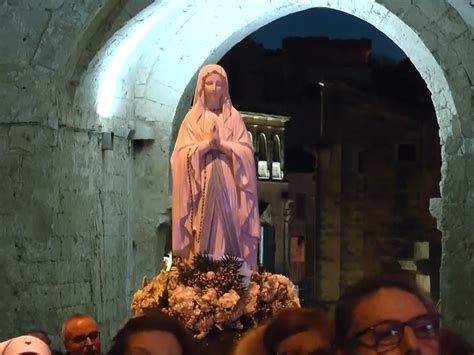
215,203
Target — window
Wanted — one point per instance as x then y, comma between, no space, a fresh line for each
263,172
277,173
262,147
276,149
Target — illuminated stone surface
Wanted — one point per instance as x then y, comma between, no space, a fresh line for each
78,223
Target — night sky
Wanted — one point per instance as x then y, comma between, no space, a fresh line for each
321,22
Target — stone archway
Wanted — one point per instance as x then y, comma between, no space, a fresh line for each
69,236
170,42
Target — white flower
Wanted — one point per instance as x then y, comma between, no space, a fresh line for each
252,298
228,300
282,279
201,309
181,300
209,295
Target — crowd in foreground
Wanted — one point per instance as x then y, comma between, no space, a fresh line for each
382,315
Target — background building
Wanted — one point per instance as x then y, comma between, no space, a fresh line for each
362,160
268,136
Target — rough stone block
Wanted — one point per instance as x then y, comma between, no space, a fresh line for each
467,128
398,7
8,95
453,190
451,25
22,139
452,217
67,293
144,130
82,291
465,50
140,90
417,18
469,165
21,29
454,167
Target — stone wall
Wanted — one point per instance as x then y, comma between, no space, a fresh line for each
304,225
67,241
65,229
385,195
328,225
151,211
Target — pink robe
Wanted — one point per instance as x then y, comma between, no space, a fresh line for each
228,221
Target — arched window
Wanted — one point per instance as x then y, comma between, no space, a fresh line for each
263,172
277,172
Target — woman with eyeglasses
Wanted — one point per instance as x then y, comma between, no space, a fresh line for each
386,315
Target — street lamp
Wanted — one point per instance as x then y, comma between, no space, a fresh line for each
321,91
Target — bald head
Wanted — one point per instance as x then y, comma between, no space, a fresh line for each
81,335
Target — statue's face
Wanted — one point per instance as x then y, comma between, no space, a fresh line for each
213,88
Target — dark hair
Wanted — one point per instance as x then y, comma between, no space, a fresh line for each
151,321
292,321
452,343
367,286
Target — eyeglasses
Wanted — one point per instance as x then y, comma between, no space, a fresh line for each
303,352
83,337
387,335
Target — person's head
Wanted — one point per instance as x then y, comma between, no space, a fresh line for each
40,334
152,334
24,345
452,343
251,342
298,331
81,335
386,315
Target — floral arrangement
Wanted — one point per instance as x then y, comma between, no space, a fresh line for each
206,293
